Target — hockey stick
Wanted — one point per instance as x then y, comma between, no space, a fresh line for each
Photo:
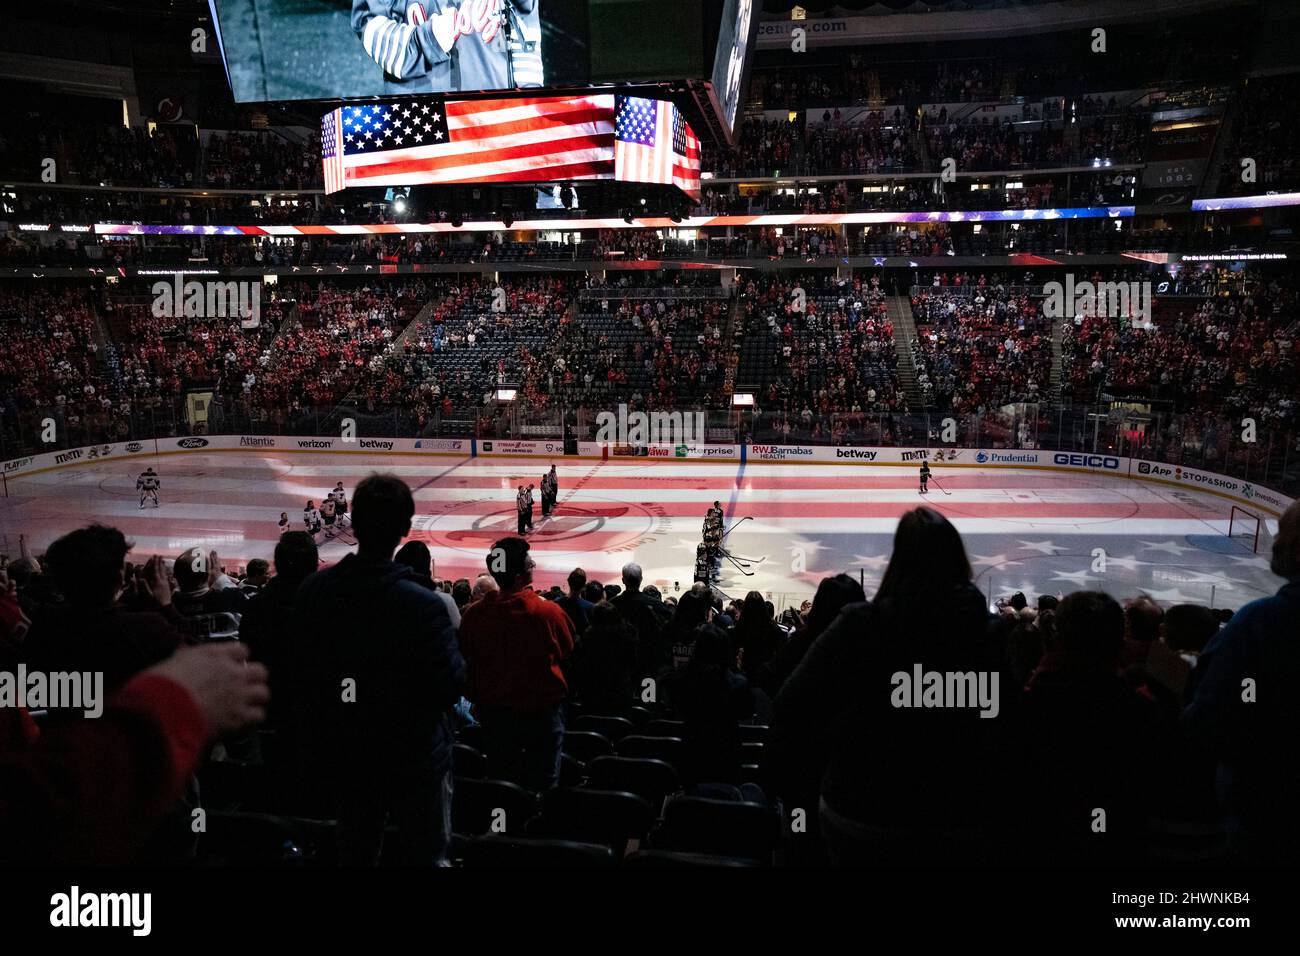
935,482
737,525
748,574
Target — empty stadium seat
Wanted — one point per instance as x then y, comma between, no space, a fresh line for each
497,851
475,806
651,779
586,745
725,827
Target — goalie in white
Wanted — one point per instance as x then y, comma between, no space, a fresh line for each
147,484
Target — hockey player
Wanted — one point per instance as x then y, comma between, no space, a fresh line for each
529,505
925,477
703,563
284,521
311,519
147,484
327,515
521,509
341,506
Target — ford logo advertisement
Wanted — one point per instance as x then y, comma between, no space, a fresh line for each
192,443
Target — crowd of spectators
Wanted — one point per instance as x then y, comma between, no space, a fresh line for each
50,358
654,349
980,347
820,352
164,156
1262,132
1232,354
981,144
463,698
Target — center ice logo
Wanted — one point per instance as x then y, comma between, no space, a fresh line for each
208,300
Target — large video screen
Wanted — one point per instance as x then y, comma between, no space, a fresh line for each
346,49
537,139
731,63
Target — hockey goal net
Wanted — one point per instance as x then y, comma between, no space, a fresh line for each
1247,528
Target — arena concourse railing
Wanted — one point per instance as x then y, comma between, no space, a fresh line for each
1214,443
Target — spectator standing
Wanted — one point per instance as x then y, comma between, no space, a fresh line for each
381,673
514,642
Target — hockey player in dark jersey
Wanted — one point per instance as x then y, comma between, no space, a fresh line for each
925,477
446,46
340,499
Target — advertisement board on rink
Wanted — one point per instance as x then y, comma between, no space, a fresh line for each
1245,492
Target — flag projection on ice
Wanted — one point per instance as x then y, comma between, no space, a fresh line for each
427,140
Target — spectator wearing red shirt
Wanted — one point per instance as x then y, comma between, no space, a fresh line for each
513,642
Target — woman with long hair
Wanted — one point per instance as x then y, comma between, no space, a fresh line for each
756,636
898,783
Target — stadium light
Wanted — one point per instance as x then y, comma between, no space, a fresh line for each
742,400
507,394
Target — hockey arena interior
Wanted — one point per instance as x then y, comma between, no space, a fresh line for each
491,433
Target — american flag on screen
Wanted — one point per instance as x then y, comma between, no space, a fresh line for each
435,140
656,145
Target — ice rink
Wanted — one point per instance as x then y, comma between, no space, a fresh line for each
1034,532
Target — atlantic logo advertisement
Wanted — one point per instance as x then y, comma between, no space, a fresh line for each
256,442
